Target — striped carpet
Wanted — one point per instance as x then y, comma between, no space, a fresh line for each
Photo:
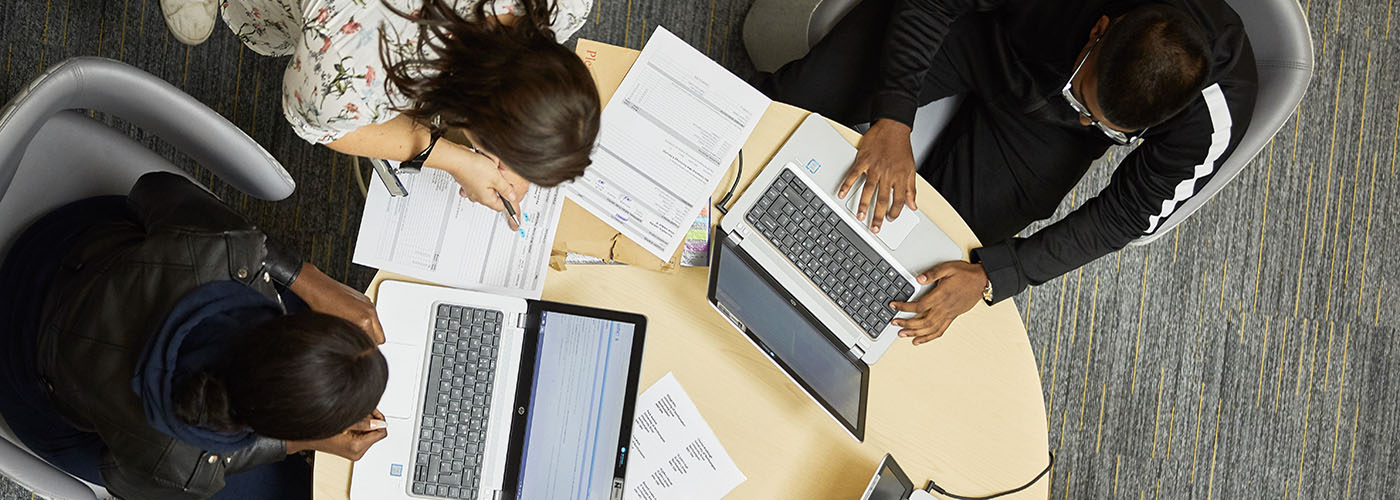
1250,354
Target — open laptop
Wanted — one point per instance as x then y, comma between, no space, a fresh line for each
491,397
807,283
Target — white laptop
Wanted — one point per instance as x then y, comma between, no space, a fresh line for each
807,283
492,397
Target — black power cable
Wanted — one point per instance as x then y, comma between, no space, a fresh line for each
720,205
932,486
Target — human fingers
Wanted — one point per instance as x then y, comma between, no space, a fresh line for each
363,441
511,220
912,307
911,326
376,329
900,198
518,185
882,205
366,424
930,334
857,169
868,191
936,273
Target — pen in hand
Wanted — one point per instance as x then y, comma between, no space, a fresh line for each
510,212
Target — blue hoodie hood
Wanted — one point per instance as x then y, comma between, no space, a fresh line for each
197,336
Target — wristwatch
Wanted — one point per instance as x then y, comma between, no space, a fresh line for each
987,293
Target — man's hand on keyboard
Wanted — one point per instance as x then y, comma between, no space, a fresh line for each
326,295
887,160
959,287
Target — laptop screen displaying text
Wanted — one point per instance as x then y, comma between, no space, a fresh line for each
580,383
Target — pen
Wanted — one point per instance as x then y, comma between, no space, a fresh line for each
510,210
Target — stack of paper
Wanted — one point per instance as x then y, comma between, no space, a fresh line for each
668,134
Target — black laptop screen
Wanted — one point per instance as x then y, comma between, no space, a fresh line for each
790,336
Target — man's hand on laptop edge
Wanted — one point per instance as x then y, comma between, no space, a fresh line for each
958,287
887,160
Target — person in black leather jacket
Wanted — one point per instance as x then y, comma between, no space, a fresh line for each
160,345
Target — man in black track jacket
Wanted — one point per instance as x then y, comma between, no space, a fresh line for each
1048,86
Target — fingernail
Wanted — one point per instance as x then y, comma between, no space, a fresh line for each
378,424
860,215
875,229
923,279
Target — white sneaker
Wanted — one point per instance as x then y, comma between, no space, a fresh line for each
191,21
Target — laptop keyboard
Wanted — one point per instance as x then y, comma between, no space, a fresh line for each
829,252
461,370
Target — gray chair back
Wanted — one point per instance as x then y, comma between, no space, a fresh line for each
1283,54
52,154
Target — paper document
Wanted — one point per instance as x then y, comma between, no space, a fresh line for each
434,234
668,134
675,455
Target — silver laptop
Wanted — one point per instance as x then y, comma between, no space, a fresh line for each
809,284
891,483
492,397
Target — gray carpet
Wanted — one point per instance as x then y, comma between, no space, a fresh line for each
1248,355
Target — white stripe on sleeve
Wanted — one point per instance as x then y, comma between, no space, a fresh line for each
1219,140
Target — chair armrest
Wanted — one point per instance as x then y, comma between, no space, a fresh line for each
120,90
40,477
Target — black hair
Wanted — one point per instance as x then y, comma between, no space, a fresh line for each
1152,62
302,376
526,98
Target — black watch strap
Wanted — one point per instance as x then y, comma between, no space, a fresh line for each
416,163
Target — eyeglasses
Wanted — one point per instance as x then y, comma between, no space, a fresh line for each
1116,136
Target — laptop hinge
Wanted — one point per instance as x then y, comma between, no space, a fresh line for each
520,320
496,494
734,320
739,234
857,351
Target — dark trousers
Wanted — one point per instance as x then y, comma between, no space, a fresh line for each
26,269
1000,166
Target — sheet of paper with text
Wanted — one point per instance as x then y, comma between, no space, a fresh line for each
669,133
675,455
434,234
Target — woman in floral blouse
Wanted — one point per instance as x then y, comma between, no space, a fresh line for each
366,77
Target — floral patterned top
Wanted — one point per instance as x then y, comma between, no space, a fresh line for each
334,81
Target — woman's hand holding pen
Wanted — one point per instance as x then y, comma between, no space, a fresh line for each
484,180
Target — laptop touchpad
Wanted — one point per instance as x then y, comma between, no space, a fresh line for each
892,232
405,368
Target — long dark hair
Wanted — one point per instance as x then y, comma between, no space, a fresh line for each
302,376
524,97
